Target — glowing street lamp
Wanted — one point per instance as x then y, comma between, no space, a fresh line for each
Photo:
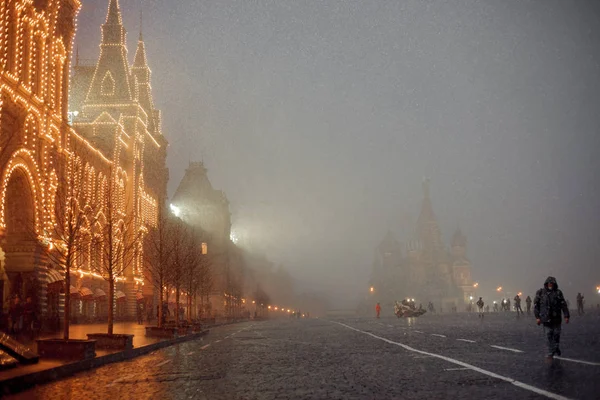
598,289
476,284
520,294
175,210
372,289
499,289
269,307
471,298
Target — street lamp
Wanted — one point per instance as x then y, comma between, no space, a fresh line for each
471,298
476,284
175,210
499,289
598,289
372,289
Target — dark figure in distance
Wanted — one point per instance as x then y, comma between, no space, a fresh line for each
378,309
480,305
548,304
528,303
518,305
580,304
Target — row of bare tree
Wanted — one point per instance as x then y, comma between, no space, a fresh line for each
95,230
175,260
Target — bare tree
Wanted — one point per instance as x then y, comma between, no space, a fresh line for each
179,246
157,255
196,267
119,240
205,278
74,211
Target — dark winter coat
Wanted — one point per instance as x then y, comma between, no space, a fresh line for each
548,304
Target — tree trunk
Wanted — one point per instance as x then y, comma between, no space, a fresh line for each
111,296
67,316
177,305
160,307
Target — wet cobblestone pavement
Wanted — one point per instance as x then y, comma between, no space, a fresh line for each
451,357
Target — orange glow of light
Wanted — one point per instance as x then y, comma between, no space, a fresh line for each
499,289
476,284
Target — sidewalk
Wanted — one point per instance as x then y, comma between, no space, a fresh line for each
81,331
25,376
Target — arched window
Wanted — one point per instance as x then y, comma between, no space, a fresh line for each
36,64
31,130
83,252
57,90
9,37
108,85
25,40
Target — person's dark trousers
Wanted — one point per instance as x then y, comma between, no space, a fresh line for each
553,336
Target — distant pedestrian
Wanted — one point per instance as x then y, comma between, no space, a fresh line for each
480,305
496,307
528,304
518,305
140,313
487,308
378,309
580,304
15,314
548,304
28,316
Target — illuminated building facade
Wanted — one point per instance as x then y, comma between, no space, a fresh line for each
111,132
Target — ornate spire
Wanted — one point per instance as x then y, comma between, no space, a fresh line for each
140,61
459,239
428,230
427,214
112,64
114,13
141,25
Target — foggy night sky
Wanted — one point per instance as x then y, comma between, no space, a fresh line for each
319,119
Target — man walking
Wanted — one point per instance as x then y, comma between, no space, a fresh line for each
378,309
518,305
548,304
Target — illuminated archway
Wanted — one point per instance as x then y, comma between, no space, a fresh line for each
19,181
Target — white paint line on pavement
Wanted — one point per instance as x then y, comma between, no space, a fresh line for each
438,335
205,346
522,385
163,363
419,332
190,353
218,341
467,340
119,380
456,369
577,361
506,348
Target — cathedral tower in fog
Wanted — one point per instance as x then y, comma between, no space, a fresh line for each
423,268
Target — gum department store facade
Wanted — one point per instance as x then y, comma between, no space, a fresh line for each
114,137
